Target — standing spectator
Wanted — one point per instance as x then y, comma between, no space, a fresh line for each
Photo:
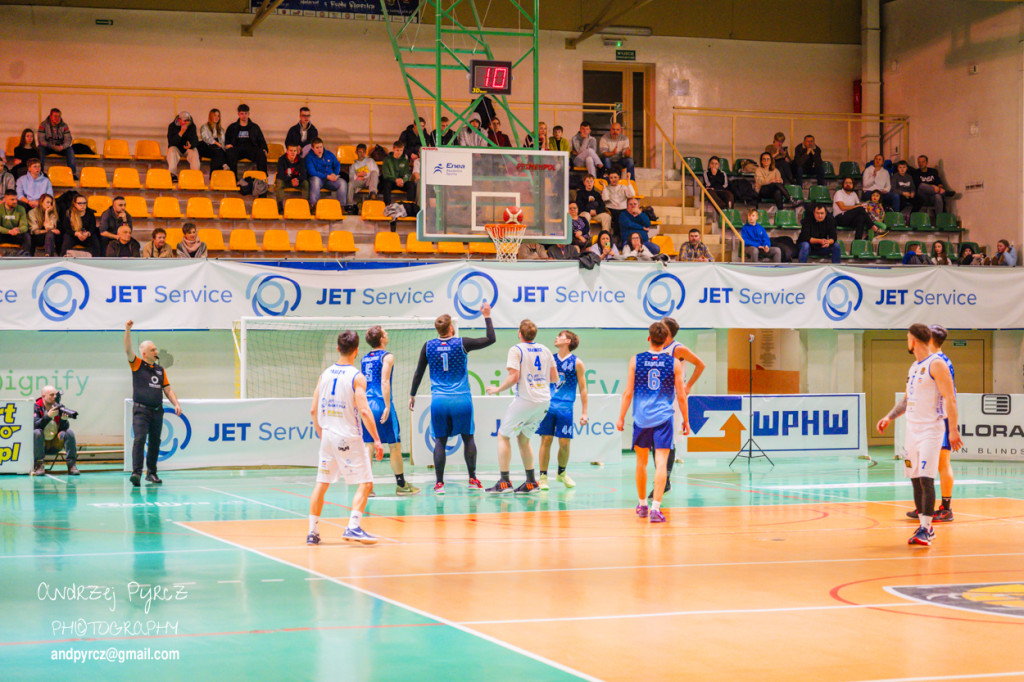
939,256
780,155
580,227
324,171
470,135
604,247
615,195
448,136
54,137
875,177
244,140
211,143
717,183
25,150
495,135
1005,254
190,245
818,236
14,223
847,211
807,160
125,246
111,221
291,174
410,137
42,225
302,133
930,188
756,243
33,185
584,150
592,205
633,220
615,151
81,238
694,250
557,143
768,182
363,173
158,248
905,189
182,140
397,173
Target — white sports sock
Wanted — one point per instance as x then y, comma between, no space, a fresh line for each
926,522
643,502
313,520
354,519
655,505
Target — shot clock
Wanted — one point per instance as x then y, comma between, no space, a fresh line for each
490,77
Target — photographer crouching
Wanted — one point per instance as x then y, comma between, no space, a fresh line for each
53,432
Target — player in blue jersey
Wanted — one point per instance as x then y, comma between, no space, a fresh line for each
451,403
656,379
378,367
558,420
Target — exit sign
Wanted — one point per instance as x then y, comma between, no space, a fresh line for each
959,343
625,55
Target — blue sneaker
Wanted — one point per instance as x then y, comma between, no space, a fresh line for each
921,537
657,516
641,511
358,535
313,538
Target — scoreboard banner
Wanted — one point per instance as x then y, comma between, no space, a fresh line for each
100,294
991,424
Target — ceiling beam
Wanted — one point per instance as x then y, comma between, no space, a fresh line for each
601,22
266,9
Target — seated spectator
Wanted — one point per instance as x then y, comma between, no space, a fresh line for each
211,142
818,236
7,181
244,140
780,156
470,135
939,256
756,243
847,211
81,237
915,255
904,188
694,250
557,143
876,212
768,182
542,137
33,185
42,225
533,251
717,183
54,137
875,177
182,140
968,257
324,171
930,188
291,174
591,204
495,135
111,221
14,223
364,174
448,136
584,150
25,150
158,248
125,246
1005,254
633,220
635,249
615,195
807,160
190,245
615,151
302,133
410,137
580,227
396,173
604,247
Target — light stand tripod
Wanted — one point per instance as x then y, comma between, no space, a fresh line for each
751,443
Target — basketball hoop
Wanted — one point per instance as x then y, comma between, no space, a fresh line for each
507,238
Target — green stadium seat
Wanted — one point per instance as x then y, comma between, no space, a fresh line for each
694,163
861,250
796,193
889,250
737,167
733,214
849,169
842,250
919,222
765,218
946,222
724,162
895,221
818,194
830,171
786,220
974,247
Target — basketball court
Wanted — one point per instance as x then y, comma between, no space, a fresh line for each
801,571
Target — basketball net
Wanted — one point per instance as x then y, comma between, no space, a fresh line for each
507,238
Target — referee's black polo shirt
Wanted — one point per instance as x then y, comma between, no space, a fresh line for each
148,383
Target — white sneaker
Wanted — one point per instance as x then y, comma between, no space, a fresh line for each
543,481
564,479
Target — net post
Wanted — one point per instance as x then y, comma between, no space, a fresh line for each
243,335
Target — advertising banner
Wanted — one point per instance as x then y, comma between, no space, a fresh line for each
16,440
341,9
991,424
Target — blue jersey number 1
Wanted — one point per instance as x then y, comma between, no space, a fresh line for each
444,361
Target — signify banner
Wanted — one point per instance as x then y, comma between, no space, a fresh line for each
991,424
598,441
783,425
16,440
341,9
80,294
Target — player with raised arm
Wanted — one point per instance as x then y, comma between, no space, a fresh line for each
558,420
339,402
656,378
378,367
451,403
930,400
531,369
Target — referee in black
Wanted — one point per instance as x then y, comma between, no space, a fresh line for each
149,384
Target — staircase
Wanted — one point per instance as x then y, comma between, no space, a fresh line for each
676,219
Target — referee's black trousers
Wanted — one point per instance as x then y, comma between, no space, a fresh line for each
147,423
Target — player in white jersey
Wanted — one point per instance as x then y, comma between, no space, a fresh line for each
531,368
339,403
930,401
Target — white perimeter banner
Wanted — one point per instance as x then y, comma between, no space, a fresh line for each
16,440
598,441
101,294
991,424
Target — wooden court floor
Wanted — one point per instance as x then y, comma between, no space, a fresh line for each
801,572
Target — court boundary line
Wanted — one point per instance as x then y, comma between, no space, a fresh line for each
462,628
976,676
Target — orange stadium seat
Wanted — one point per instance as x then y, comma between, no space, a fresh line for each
309,241
255,175
341,241
200,208
126,178
60,176
373,209
276,241
387,242
265,209
93,178
191,181
414,245
275,150
297,209
166,207
159,178
483,248
213,238
12,144
452,248
664,242
223,181
136,207
101,202
243,239
329,209
148,150
117,150
174,237
347,154
88,142
232,208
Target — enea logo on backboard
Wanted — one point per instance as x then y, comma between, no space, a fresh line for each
661,294
840,296
61,292
451,447
450,168
273,295
469,290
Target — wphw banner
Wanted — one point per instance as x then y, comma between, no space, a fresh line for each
100,294
17,442
991,424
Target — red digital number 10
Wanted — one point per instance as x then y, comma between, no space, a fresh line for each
496,77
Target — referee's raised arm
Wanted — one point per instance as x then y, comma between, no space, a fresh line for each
128,340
